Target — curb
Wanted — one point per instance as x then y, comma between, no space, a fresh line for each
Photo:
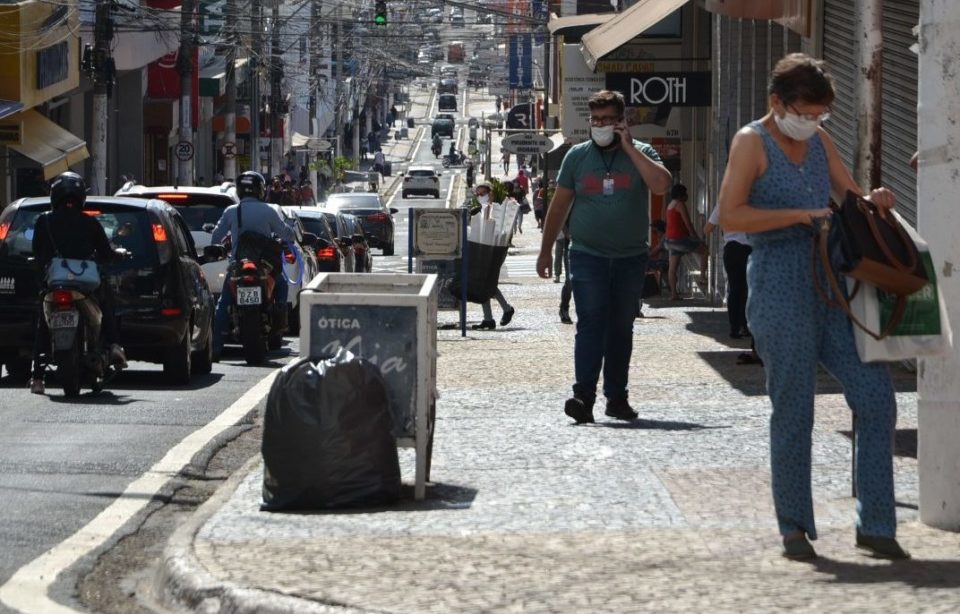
182,583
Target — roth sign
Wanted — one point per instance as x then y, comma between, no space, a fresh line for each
679,89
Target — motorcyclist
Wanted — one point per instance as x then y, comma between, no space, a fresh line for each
65,231
452,154
255,216
437,146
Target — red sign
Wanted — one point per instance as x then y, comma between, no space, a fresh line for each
163,79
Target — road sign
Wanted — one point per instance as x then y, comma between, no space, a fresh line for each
229,149
183,150
527,143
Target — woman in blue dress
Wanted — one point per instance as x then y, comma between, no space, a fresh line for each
783,169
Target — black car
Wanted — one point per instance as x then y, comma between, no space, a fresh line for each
376,218
327,249
163,304
341,233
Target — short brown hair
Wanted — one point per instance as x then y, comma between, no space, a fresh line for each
801,77
607,98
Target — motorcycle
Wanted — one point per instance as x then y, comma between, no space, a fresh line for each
455,159
256,320
73,317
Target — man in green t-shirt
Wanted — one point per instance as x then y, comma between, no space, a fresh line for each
603,186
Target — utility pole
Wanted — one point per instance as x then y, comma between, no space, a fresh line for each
100,66
314,81
338,104
230,112
870,34
276,76
185,68
256,25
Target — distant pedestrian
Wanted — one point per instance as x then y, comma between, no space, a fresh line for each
505,160
484,196
561,266
471,172
608,179
681,239
781,171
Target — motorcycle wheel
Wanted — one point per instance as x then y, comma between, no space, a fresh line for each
446,163
68,366
251,336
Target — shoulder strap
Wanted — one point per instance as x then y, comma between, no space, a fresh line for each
840,300
239,216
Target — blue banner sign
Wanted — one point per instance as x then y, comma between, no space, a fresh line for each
521,61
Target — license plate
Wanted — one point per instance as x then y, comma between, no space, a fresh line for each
63,319
248,296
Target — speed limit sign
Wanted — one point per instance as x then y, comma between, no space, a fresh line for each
183,150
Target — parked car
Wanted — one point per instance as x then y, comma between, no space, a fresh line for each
330,257
376,217
421,180
201,208
363,258
163,304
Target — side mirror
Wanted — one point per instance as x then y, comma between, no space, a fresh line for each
213,253
209,226
394,210
310,239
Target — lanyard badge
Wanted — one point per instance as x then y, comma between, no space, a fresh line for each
608,182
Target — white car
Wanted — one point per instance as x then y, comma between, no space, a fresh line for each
421,180
201,208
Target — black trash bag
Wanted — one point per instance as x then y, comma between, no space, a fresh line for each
328,437
483,271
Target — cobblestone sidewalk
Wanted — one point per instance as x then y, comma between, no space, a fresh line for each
528,512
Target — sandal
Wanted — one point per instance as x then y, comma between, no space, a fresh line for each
882,547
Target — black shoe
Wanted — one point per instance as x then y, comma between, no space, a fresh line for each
565,316
798,549
507,316
736,335
485,325
579,410
881,547
620,409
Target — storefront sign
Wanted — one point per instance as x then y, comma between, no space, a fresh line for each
521,61
689,89
11,134
527,144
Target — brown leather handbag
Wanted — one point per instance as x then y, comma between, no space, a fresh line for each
871,248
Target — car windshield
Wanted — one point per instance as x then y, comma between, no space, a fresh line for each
332,220
420,173
126,228
353,203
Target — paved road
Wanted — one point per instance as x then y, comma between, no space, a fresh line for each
62,461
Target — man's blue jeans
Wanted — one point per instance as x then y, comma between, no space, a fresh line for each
606,294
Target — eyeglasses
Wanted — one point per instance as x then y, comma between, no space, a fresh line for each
814,117
606,120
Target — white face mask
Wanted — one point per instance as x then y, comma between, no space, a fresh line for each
483,200
602,135
796,127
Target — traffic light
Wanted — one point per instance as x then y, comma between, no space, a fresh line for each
380,13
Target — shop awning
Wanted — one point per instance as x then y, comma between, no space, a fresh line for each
628,25
55,148
213,76
559,25
313,143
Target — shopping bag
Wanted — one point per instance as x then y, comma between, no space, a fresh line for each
923,330
74,273
483,272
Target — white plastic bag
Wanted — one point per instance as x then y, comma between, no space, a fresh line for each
924,330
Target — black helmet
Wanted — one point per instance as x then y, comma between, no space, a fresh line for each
252,183
68,190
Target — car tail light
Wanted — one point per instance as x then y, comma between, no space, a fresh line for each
326,253
171,311
377,217
62,299
289,256
4,229
159,233
92,212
